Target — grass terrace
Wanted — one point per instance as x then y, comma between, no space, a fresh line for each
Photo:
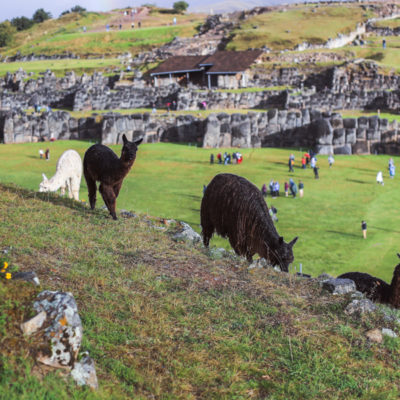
285,28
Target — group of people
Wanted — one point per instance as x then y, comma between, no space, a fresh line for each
274,187
309,159
45,154
235,158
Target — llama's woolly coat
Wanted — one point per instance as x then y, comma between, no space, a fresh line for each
103,165
235,208
68,175
376,289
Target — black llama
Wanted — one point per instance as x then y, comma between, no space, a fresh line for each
102,164
235,208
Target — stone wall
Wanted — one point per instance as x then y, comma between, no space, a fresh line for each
324,132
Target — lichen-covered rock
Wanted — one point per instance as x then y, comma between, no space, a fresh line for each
187,234
84,372
339,286
63,328
360,307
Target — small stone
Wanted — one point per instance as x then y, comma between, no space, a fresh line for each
374,336
29,276
34,324
339,286
324,277
260,263
360,307
84,372
388,332
127,214
187,234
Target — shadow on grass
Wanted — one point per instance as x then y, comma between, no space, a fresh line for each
357,181
346,234
382,229
53,198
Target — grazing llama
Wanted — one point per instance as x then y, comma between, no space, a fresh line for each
376,289
68,175
101,164
235,208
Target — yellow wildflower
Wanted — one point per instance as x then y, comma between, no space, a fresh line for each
5,265
8,275
3,270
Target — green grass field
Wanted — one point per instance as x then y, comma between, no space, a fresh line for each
167,180
280,30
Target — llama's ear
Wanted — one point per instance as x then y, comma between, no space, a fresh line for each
398,255
124,139
293,242
139,141
44,177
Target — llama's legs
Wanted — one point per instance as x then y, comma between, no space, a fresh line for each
75,184
91,184
109,198
207,231
68,184
117,188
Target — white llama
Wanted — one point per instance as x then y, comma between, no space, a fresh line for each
68,175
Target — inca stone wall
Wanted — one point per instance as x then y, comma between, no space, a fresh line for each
324,132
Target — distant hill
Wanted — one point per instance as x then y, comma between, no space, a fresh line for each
218,7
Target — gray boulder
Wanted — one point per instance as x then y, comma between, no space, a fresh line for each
339,286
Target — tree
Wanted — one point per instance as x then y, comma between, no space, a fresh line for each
78,9
40,15
21,23
6,33
180,6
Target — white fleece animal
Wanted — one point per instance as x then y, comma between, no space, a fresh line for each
68,175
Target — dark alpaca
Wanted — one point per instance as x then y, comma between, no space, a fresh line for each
376,289
235,208
102,164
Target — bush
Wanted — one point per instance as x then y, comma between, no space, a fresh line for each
21,23
180,6
40,15
6,33
78,9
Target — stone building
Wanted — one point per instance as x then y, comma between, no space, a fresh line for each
223,69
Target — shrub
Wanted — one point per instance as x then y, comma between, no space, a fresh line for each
180,6
21,23
40,15
6,33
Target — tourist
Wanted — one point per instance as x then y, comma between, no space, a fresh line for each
219,158
301,189
291,165
154,109
316,175
364,229
264,190
286,189
47,154
41,153
276,189
293,187
271,187
212,159
379,178
331,160
313,162
392,171
272,212
303,162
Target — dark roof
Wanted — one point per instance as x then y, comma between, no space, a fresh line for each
231,61
178,64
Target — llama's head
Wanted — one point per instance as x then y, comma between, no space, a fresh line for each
44,186
282,255
129,149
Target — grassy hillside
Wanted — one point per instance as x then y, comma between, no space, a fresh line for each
65,34
167,181
285,28
163,320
